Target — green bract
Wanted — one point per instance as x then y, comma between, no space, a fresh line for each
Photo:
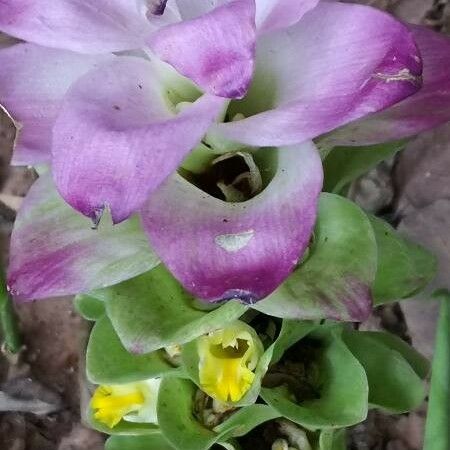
345,164
89,307
116,364
394,384
335,279
345,372
340,388
326,440
404,268
185,432
152,442
153,311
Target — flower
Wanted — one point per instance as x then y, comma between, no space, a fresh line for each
133,402
227,361
116,95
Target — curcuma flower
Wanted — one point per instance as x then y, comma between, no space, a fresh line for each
199,117
227,360
133,402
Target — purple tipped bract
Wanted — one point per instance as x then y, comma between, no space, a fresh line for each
130,102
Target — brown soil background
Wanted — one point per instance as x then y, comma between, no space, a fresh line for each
413,190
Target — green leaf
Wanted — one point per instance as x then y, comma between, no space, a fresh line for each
393,384
151,442
436,432
418,362
334,281
107,361
184,432
343,389
291,331
176,419
153,311
9,328
90,308
345,164
244,420
404,268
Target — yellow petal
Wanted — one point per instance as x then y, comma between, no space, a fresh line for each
112,403
227,358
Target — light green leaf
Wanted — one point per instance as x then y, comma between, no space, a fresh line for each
184,432
393,384
107,361
90,308
345,164
404,268
418,362
244,420
437,436
150,442
343,389
334,281
291,332
153,311
176,419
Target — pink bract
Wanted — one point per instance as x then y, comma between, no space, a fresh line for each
114,94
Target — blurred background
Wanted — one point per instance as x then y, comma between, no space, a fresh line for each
41,388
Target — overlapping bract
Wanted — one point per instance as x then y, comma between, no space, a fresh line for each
114,131
320,377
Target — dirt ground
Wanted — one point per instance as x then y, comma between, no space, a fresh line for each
413,191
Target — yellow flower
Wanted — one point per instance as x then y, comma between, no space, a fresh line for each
133,402
228,358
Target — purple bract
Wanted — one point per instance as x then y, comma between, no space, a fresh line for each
115,94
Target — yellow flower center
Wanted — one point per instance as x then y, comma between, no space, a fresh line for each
112,403
227,360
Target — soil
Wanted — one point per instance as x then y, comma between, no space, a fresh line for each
413,192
